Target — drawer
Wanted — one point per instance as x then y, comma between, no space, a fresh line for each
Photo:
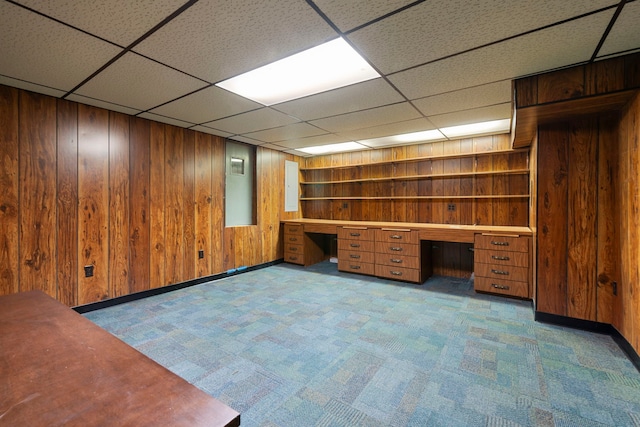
355,245
488,256
398,249
503,272
356,256
396,236
502,243
293,229
505,287
294,258
296,239
294,249
356,267
398,273
356,233
398,260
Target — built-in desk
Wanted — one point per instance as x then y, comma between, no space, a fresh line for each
58,368
399,250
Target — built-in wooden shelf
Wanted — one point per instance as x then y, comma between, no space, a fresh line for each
421,159
488,196
424,176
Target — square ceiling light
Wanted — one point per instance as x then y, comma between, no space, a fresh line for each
333,148
406,138
328,66
476,129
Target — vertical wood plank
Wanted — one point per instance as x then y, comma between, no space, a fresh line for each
204,200
483,184
217,222
174,204
139,240
118,204
67,202
582,202
552,219
156,205
9,190
37,197
93,203
608,248
189,206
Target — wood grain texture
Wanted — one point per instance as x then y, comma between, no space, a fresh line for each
582,199
67,202
93,203
174,204
156,205
139,240
217,231
608,221
9,190
118,204
189,206
37,160
552,219
204,201
561,85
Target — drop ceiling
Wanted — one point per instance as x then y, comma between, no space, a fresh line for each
443,63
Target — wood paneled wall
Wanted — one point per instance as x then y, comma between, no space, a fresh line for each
577,218
136,199
451,259
626,317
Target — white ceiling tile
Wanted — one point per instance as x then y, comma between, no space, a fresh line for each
246,140
102,104
20,84
211,131
368,118
298,153
313,141
361,96
478,96
253,121
351,14
163,119
206,105
625,34
397,128
118,21
535,52
273,147
432,30
476,115
139,83
283,133
218,39
49,53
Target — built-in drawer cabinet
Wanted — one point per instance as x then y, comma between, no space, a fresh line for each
398,254
294,244
502,264
356,250
398,273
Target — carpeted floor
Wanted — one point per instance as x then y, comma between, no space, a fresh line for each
292,346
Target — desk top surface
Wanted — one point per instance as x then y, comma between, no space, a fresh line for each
58,368
524,231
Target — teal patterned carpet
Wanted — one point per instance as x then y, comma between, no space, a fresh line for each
292,346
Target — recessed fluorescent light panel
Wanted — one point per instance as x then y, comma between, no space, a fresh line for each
329,66
333,148
406,138
475,129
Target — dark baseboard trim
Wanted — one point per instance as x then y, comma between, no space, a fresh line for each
597,327
158,291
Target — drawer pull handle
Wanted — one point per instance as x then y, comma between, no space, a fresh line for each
293,239
500,258
504,273
293,258
395,249
397,261
396,236
354,245
293,230
293,248
396,273
500,243
503,287
354,234
354,267
354,256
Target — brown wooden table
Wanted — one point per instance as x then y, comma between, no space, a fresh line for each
58,368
